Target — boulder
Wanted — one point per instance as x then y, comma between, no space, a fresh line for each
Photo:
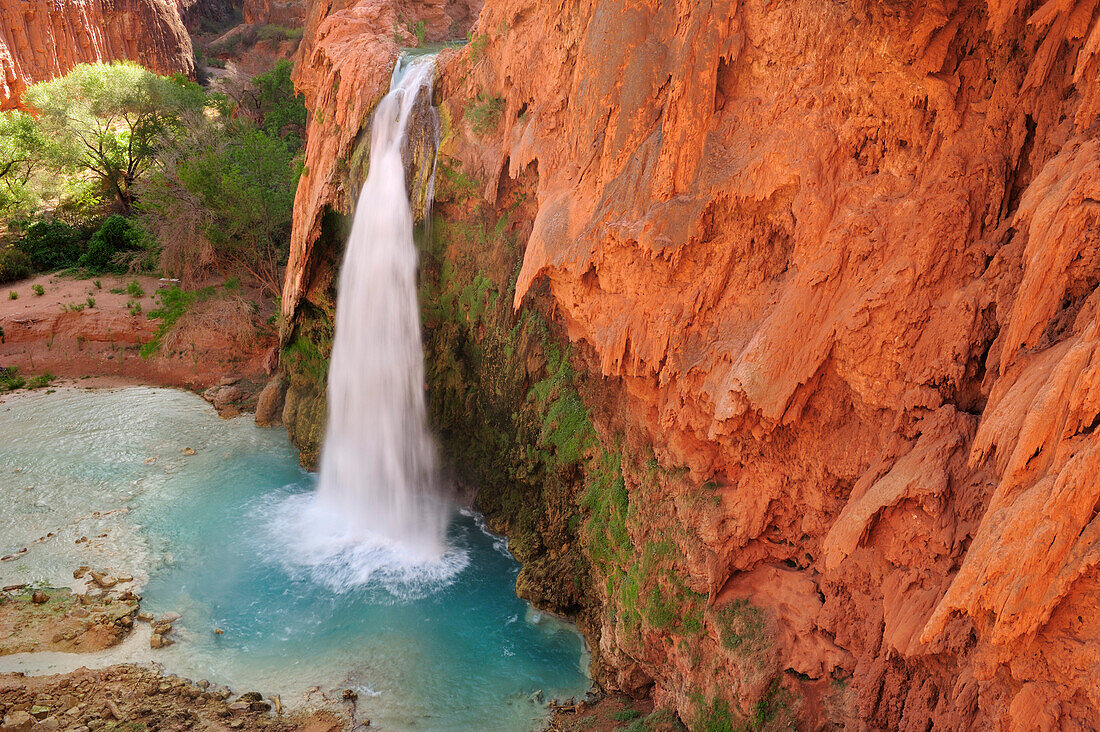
223,396
269,405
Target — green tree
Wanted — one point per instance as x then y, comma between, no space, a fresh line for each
224,197
282,110
109,118
20,150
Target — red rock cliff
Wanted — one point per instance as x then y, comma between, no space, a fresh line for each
42,39
840,260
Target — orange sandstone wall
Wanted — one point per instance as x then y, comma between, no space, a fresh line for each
42,39
290,13
838,260
841,261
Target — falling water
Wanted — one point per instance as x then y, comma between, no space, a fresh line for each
378,465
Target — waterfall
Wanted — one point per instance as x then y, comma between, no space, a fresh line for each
378,465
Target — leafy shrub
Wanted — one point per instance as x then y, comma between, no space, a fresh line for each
485,114
14,264
39,290
91,302
174,302
41,381
226,200
13,295
10,379
52,245
134,289
282,110
274,32
117,235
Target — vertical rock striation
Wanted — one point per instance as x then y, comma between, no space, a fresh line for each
43,39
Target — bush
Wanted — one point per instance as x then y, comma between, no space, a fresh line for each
13,295
485,115
117,235
52,245
39,290
14,265
41,381
282,110
10,379
134,289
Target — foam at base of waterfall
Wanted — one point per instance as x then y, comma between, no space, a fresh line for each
309,538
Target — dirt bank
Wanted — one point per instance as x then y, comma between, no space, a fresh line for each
108,327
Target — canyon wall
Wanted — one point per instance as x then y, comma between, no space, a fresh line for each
43,39
769,331
289,13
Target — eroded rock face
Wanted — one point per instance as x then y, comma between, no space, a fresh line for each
836,265
43,39
195,12
842,262
289,13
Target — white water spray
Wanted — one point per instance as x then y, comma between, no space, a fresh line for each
379,472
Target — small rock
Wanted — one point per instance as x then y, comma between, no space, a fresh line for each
259,706
146,616
188,451
93,593
40,712
159,641
18,722
126,578
251,696
219,631
80,571
169,617
238,706
115,711
103,579
14,588
228,380
39,597
235,723
349,695
151,460
49,724
78,612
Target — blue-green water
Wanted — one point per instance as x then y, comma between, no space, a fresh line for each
230,538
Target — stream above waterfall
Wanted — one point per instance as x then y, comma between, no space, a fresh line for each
211,535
